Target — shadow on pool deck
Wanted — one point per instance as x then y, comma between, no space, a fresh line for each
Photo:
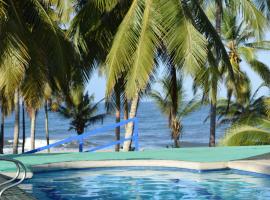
14,193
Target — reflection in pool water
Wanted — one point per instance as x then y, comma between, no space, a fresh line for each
148,183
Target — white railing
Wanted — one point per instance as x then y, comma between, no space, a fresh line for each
17,179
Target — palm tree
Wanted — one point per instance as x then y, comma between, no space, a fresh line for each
33,115
114,104
34,51
249,11
138,39
93,38
117,103
135,45
165,102
208,79
81,110
17,122
47,97
133,50
237,36
7,107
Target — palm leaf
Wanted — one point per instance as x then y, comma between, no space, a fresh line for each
186,45
245,136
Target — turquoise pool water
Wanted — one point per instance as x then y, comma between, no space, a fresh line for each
148,183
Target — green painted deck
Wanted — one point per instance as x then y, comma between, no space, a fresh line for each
200,154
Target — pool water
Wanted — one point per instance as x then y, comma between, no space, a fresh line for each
148,183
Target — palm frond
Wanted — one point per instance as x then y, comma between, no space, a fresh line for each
124,43
245,136
252,15
261,69
186,45
262,45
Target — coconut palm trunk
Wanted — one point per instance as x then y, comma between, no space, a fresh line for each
117,116
33,128
23,127
17,122
173,120
213,114
130,127
2,135
176,129
213,106
125,110
47,123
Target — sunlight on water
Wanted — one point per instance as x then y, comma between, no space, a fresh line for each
148,183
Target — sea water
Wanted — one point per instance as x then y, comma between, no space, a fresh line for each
153,129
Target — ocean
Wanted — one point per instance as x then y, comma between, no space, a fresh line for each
153,129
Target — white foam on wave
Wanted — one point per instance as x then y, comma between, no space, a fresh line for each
69,147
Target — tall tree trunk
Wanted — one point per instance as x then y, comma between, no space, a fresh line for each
17,122
213,113
33,128
23,127
126,111
218,15
47,123
117,116
176,143
173,91
2,135
213,106
132,114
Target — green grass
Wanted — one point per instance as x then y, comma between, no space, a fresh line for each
202,154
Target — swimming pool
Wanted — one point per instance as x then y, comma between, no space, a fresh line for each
148,183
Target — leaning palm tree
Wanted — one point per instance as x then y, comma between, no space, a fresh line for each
165,102
81,110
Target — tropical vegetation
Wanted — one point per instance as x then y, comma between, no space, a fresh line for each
165,102
81,110
50,48
246,135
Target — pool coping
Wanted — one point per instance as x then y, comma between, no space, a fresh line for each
255,166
